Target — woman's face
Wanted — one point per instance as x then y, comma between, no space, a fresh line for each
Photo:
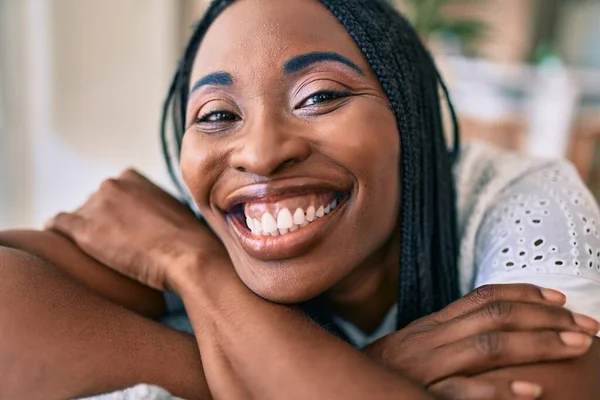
291,150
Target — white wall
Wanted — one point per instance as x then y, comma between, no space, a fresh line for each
84,84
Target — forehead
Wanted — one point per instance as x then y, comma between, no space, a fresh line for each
255,36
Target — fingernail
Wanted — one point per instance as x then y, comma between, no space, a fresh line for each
587,323
554,296
526,389
575,339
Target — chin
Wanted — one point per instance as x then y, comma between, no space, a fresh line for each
283,284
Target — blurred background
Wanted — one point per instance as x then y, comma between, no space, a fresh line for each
82,84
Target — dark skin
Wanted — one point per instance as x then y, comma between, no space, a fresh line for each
276,143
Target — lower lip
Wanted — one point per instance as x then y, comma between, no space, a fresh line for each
294,244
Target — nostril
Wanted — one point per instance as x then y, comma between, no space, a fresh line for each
240,169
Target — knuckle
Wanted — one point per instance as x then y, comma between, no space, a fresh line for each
499,311
531,290
490,344
66,220
549,341
559,315
61,216
451,388
411,338
484,294
527,291
129,173
110,185
546,345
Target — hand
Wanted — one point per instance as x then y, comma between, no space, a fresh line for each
493,327
136,228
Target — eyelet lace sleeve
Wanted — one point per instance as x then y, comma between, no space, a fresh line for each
544,229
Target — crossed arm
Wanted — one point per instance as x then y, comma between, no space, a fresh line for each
574,378
128,350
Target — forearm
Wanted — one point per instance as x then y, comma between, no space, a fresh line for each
270,349
61,341
105,282
572,379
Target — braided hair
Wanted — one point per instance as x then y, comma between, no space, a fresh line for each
406,71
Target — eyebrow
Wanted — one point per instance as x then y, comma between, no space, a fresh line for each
303,61
216,79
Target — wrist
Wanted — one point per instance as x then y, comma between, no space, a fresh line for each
194,269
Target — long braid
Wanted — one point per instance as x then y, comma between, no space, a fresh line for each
406,71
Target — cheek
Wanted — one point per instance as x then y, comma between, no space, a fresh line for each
202,163
200,167
368,144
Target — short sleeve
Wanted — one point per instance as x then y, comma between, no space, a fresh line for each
544,229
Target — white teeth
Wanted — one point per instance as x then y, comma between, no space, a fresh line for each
269,225
310,214
257,227
299,217
320,212
286,222
284,219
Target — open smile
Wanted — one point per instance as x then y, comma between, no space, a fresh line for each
275,228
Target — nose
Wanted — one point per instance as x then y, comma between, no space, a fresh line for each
268,148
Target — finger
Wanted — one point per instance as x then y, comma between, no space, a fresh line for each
132,176
460,388
68,224
509,316
483,295
492,350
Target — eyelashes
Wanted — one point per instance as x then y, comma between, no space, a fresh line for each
321,97
217,116
318,103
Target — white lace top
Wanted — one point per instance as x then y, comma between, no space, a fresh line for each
521,220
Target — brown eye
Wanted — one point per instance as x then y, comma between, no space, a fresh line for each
322,97
217,116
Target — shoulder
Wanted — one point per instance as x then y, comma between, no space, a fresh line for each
482,173
533,221
485,170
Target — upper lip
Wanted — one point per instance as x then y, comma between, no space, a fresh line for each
281,189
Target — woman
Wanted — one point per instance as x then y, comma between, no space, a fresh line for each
310,140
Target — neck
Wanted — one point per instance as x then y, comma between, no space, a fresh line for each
365,296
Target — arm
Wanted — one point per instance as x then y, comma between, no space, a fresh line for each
61,341
252,348
571,379
101,280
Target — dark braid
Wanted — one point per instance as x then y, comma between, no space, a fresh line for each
409,77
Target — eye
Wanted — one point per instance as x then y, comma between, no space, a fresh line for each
216,117
322,97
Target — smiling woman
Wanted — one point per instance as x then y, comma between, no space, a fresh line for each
320,103
307,138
